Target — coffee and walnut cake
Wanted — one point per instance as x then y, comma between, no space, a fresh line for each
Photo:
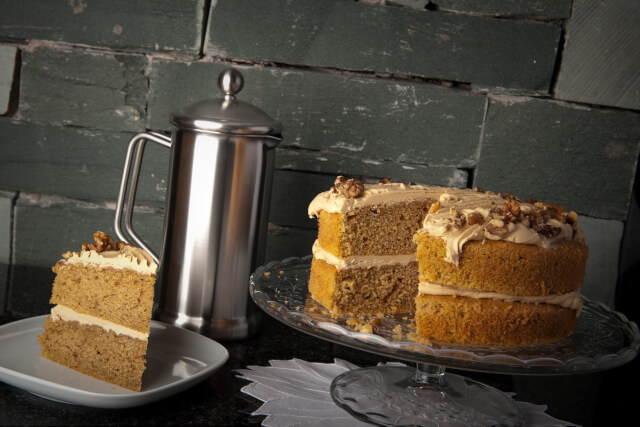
491,269
101,321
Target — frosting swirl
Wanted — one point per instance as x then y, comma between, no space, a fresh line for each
461,215
130,257
339,202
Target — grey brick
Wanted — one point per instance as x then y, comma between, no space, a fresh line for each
601,60
413,4
341,164
95,90
6,217
7,67
583,159
138,25
45,228
291,195
74,162
283,243
603,237
369,118
543,9
487,52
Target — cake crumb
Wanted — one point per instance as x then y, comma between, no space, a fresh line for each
363,325
397,332
360,326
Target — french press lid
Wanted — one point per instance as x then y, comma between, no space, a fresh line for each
228,115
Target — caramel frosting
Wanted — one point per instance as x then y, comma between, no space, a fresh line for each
570,300
64,313
459,215
462,215
333,201
128,257
361,261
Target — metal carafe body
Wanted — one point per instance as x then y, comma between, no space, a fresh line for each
215,226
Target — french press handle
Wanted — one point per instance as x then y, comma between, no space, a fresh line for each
128,186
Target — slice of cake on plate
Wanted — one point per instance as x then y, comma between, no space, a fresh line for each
364,259
101,321
498,271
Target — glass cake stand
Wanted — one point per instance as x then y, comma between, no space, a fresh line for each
428,395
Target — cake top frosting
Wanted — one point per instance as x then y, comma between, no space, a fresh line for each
461,215
105,252
349,194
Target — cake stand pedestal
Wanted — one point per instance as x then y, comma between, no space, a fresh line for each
427,395
424,396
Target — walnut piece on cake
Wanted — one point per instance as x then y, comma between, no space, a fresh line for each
349,187
103,242
531,213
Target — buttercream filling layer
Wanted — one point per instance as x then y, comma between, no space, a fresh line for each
570,300
64,313
361,261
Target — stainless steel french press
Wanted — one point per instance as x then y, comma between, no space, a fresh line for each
221,167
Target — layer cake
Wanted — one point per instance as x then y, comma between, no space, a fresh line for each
101,321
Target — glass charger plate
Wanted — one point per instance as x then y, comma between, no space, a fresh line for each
176,360
603,338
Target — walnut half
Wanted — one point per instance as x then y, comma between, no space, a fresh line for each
104,242
497,227
349,187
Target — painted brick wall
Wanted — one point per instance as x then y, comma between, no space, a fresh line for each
508,96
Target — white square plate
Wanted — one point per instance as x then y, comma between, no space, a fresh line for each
176,360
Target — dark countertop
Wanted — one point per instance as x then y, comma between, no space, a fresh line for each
584,399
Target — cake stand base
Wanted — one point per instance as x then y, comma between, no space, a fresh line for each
423,396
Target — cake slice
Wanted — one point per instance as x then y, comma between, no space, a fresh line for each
101,321
498,271
364,259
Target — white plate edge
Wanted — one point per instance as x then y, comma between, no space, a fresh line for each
52,390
